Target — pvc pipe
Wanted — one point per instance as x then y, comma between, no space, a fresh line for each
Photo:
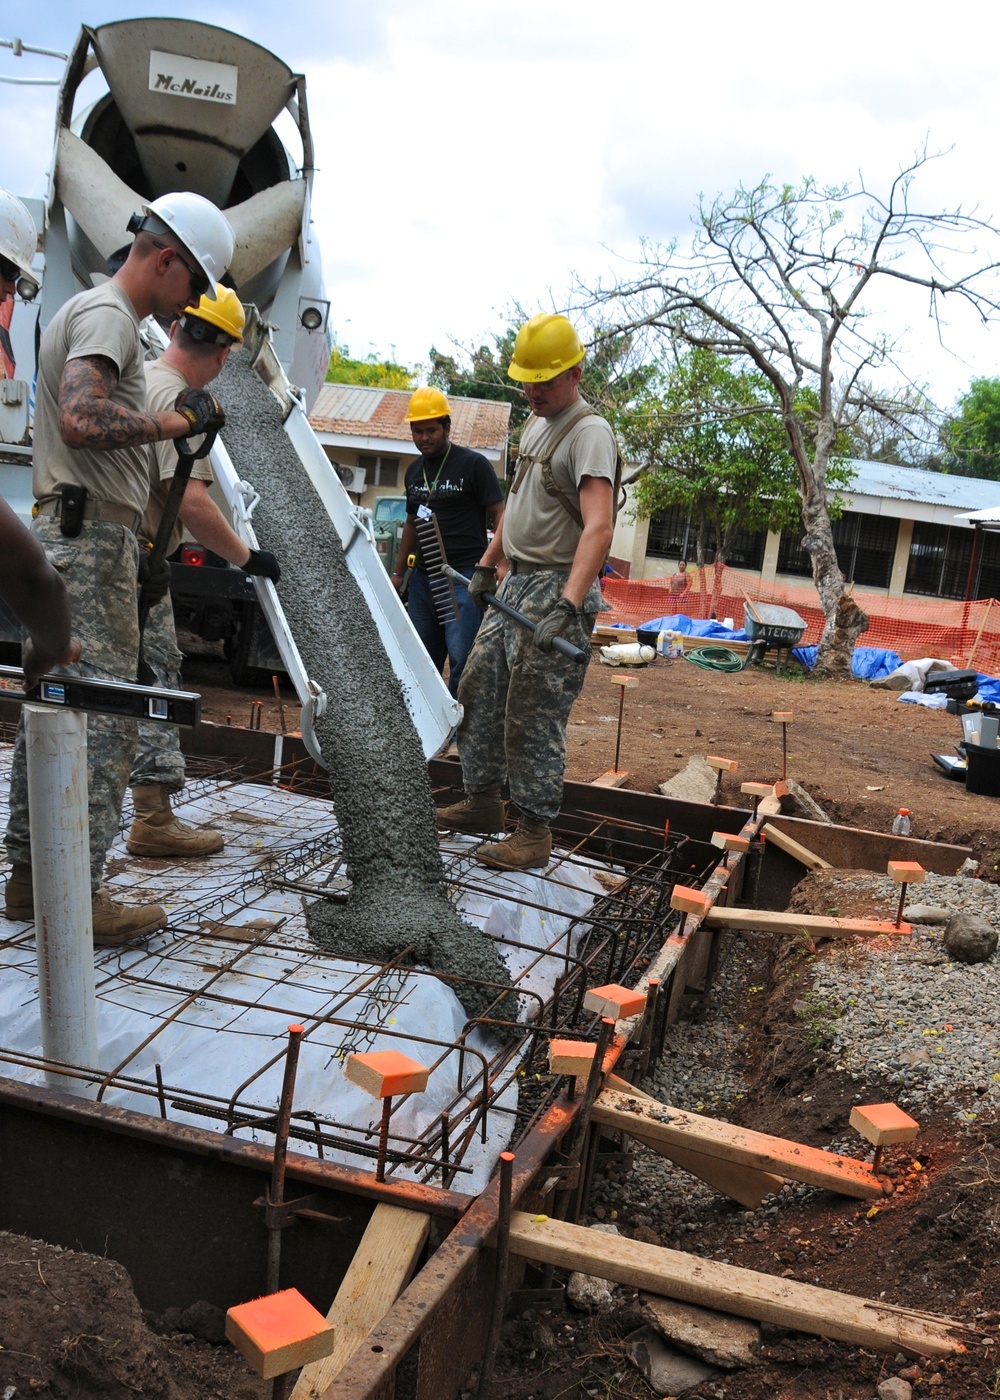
56,742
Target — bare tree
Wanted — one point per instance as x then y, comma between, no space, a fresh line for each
781,275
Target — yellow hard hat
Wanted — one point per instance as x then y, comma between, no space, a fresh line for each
546,345
427,403
219,321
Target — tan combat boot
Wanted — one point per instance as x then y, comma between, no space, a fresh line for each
115,924
156,830
479,812
529,845
18,895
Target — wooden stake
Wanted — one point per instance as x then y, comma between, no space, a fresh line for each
979,634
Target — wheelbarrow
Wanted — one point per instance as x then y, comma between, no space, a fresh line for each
769,626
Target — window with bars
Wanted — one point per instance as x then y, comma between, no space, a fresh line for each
672,535
988,581
382,471
939,560
865,545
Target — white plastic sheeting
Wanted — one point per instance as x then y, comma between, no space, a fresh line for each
210,1000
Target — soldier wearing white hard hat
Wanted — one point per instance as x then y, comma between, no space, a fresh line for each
91,484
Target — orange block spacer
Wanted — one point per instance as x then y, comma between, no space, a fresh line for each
279,1332
691,901
907,872
629,682
884,1123
729,841
758,789
571,1056
723,765
614,1001
385,1073
781,716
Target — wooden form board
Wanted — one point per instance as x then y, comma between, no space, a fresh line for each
744,1184
381,1268
726,1288
791,847
819,925
659,1123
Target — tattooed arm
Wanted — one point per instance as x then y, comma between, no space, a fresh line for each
88,416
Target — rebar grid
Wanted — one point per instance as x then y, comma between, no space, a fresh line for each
236,946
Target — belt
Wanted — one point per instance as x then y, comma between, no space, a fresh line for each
518,566
107,511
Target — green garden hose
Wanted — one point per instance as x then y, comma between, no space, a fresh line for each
714,659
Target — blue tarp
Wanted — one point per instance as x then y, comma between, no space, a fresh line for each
867,663
692,627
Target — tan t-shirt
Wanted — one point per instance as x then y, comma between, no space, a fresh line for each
101,321
163,384
537,527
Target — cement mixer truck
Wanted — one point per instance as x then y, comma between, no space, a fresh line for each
149,106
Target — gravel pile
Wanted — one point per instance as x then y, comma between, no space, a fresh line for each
902,1010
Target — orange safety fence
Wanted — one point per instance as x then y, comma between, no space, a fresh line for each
964,633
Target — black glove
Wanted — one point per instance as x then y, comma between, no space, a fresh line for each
263,564
483,580
154,580
202,410
552,624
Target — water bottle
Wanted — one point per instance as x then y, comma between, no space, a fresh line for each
901,825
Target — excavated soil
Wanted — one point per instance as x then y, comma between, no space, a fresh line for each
69,1324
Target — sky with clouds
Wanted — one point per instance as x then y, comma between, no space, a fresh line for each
474,155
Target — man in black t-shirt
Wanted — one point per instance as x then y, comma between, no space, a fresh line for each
460,488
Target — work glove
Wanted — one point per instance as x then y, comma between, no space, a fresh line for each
153,579
263,564
202,410
483,580
552,624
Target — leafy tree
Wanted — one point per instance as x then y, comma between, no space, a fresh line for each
778,275
709,438
371,372
971,438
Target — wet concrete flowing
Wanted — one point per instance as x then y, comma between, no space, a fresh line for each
378,776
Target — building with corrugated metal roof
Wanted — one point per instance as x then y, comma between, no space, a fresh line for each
902,533
365,434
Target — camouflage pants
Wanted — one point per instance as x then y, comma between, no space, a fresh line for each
98,568
517,699
158,757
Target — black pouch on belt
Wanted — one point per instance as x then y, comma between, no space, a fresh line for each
71,514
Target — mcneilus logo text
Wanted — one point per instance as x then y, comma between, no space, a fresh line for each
189,87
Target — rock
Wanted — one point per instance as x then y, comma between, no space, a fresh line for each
894,1389
668,1372
969,938
694,783
588,1292
968,867
927,914
204,1320
715,1337
646,1235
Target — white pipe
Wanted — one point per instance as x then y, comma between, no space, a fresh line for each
56,743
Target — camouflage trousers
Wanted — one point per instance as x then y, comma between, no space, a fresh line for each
99,570
517,699
158,757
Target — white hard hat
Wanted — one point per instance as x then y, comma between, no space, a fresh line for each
202,228
18,235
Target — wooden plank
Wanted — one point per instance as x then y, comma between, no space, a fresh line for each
744,1184
660,1122
769,806
744,1292
791,847
380,1270
821,925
